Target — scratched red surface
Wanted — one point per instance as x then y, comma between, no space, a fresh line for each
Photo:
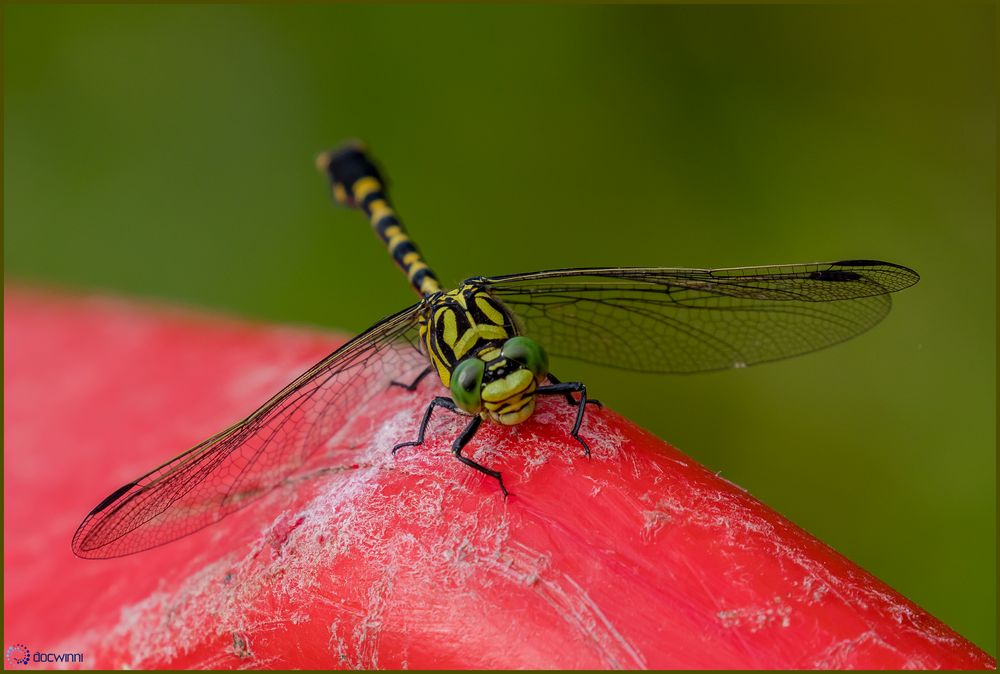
636,558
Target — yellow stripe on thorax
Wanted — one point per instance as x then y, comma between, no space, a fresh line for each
474,334
489,310
450,332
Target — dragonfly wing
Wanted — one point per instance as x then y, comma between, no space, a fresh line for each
243,462
695,320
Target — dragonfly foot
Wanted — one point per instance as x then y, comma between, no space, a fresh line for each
447,403
460,443
404,444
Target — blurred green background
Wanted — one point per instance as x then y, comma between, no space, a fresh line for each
168,152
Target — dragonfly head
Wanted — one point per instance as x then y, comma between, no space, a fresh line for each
501,383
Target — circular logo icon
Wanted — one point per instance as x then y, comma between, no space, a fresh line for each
18,654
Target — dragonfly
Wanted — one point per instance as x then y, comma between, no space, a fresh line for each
488,342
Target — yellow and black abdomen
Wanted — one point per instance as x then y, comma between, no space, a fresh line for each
356,182
455,325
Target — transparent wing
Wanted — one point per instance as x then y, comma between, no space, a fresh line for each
243,462
697,320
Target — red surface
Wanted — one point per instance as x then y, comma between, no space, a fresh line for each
638,557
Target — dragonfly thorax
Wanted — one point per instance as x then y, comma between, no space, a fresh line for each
473,343
460,322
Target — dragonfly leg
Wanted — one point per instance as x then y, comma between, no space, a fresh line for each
569,397
412,386
462,440
440,401
566,388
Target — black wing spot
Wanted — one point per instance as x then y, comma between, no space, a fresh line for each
112,498
835,275
714,319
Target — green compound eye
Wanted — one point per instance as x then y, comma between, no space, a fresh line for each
466,384
528,353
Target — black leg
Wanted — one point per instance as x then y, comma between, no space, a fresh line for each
462,440
440,401
566,388
413,384
569,397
